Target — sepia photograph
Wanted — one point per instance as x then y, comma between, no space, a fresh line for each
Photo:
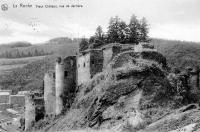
99,65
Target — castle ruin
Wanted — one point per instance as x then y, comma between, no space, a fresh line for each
73,71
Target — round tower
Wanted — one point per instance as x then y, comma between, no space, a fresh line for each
59,85
29,111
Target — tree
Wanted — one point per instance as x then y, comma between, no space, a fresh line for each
99,33
117,30
98,39
144,30
92,39
124,32
134,26
113,30
83,44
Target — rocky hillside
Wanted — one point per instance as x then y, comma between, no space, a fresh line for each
134,95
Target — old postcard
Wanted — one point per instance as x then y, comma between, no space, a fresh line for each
99,65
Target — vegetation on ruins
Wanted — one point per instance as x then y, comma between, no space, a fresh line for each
118,32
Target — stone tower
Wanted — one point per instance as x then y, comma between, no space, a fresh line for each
89,63
59,85
29,111
49,93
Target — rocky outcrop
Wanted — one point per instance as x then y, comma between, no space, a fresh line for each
133,93
112,99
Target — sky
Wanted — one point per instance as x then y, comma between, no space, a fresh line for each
168,19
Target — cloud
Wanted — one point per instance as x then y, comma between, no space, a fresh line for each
37,31
15,31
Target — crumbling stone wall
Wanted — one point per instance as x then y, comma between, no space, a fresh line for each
49,93
59,85
88,64
29,111
96,62
109,53
59,88
70,80
83,68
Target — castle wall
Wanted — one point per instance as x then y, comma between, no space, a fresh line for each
109,53
29,111
59,85
17,100
70,82
96,62
49,93
83,66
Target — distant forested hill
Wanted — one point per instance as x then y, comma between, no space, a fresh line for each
15,44
59,46
179,53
